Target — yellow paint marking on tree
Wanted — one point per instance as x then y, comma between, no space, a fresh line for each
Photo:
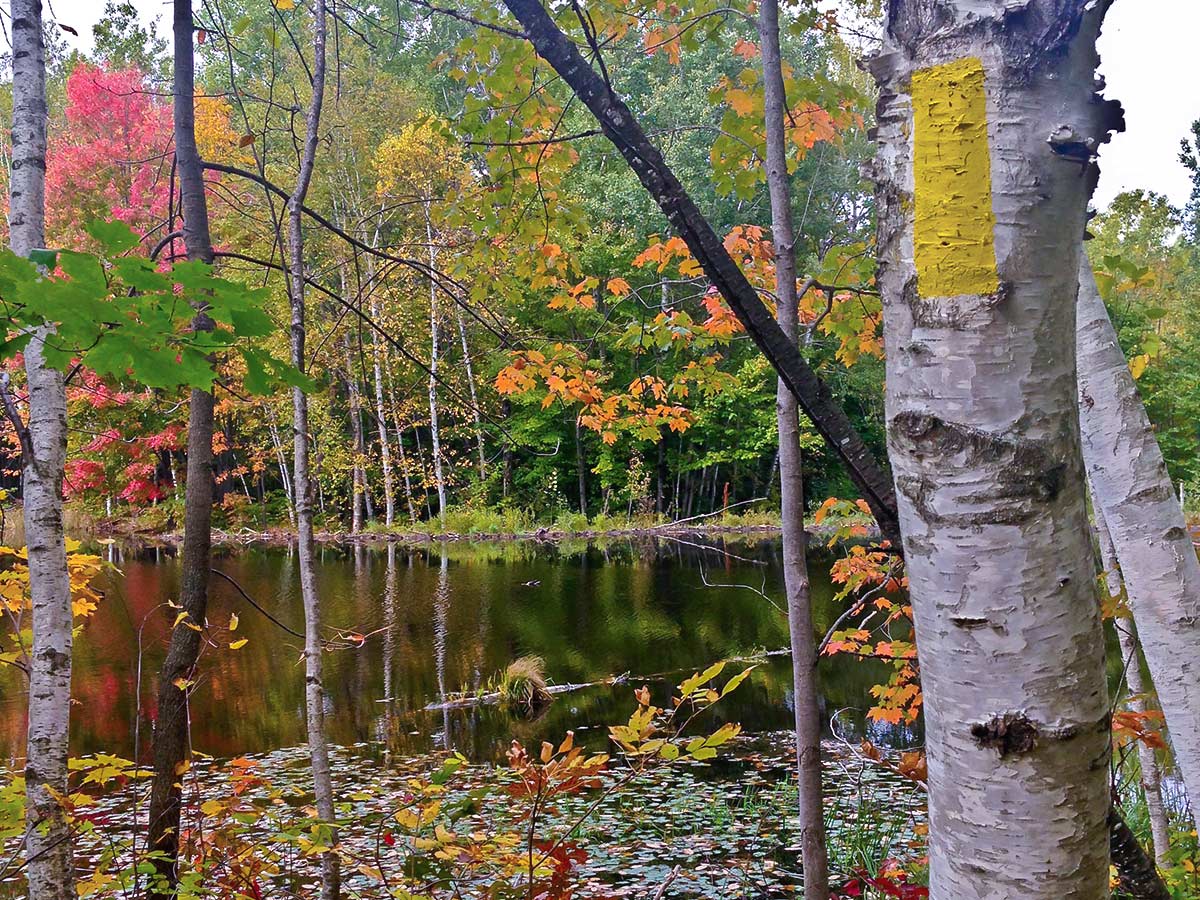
954,228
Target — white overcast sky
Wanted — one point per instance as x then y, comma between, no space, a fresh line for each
1149,56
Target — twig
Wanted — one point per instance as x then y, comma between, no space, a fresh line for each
662,888
254,603
14,417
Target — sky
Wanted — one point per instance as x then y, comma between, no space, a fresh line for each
1146,57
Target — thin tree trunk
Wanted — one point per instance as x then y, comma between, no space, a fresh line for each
982,202
47,838
1151,774
385,451
623,130
791,476
507,474
171,747
357,479
284,475
314,694
435,435
475,411
580,467
1134,492
399,429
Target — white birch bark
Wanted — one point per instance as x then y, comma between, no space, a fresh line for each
983,438
314,692
1151,773
385,447
1134,493
475,411
435,435
48,839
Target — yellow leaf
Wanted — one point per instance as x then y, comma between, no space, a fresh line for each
179,618
238,644
182,766
233,622
1137,365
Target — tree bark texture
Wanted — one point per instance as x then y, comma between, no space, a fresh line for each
1133,492
314,693
647,162
47,839
170,743
1150,774
435,432
791,475
988,121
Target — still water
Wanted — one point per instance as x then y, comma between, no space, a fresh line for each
414,625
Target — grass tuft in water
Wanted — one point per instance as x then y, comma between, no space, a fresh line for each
522,686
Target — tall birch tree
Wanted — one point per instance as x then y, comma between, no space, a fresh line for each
988,122
44,449
1134,494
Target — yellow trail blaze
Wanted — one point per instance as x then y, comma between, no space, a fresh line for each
954,225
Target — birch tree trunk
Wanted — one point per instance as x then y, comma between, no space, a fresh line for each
476,413
47,837
1136,497
398,427
314,692
988,118
1151,774
435,435
385,448
358,479
171,731
791,475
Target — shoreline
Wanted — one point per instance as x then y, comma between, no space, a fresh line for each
547,535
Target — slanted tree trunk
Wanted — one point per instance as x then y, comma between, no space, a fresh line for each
626,134
435,434
171,745
806,701
986,121
1136,497
47,838
1151,774
314,693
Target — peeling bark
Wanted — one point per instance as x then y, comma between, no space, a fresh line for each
987,124
1151,774
1134,494
47,838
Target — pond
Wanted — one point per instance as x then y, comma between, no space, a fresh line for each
421,623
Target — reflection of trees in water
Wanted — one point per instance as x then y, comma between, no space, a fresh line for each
391,624
590,610
441,616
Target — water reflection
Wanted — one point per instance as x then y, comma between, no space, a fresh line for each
437,621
